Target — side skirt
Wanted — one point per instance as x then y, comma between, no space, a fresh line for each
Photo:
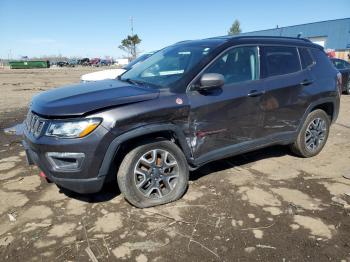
244,147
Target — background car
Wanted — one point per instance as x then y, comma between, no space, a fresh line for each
344,68
95,62
105,62
72,62
84,62
114,73
62,63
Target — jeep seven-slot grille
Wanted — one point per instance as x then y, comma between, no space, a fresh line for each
34,124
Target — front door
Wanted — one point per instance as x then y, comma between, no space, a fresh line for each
224,117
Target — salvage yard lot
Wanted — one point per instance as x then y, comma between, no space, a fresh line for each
266,205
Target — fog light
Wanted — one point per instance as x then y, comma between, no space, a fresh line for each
65,161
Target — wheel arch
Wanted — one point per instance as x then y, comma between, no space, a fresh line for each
145,133
329,105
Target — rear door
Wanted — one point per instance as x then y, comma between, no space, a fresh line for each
285,85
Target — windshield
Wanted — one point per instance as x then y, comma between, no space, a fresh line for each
137,61
167,66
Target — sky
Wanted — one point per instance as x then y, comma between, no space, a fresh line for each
95,28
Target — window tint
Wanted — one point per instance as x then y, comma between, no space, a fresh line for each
280,60
305,57
320,56
237,65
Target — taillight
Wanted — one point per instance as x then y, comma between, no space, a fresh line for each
339,83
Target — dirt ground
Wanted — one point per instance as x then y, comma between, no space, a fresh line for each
263,206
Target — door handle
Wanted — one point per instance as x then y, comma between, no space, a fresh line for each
307,82
255,93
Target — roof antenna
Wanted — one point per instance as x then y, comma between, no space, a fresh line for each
299,35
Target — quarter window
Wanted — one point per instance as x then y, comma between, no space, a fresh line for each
305,57
237,65
280,60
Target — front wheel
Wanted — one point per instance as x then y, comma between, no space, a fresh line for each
313,134
153,174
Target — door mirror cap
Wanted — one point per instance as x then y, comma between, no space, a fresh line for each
211,80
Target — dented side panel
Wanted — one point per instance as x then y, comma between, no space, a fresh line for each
170,109
224,117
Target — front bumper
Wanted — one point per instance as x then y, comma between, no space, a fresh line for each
79,185
89,178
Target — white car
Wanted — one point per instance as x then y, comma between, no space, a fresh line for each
102,75
113,73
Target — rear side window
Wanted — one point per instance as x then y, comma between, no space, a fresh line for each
305,57
279,60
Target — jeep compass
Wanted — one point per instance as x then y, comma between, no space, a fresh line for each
188,104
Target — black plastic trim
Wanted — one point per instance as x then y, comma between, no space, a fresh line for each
144,130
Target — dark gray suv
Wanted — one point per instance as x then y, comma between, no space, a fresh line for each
188,104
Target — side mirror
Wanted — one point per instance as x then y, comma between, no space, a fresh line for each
211,80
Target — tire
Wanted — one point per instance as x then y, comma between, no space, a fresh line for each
313,132
144,169
347,88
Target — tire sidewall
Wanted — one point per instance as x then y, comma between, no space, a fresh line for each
312,116
126,178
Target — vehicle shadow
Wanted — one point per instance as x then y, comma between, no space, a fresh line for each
239,160
110,190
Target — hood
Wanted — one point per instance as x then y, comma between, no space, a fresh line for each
103,75
77,100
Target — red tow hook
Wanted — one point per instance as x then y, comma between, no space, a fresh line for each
42,174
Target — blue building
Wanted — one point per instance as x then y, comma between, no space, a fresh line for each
331,34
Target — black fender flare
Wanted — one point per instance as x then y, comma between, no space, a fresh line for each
319,102
140,131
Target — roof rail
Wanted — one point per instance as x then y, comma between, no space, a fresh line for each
229,37
183,41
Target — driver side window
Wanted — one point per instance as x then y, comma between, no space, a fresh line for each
237,65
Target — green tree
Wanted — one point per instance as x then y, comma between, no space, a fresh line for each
235,28
130,44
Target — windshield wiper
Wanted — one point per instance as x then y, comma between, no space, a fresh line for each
132,81
128,80
140,83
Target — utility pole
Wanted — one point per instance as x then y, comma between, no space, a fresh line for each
132,25
9,55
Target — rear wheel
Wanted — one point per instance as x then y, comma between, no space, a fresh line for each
313,134
153,174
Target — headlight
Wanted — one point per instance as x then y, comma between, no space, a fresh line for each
73,129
